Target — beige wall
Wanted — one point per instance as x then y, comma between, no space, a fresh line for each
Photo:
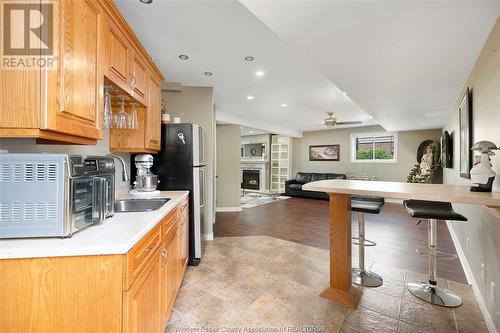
407,150
101,148
195,105
228,166
483,227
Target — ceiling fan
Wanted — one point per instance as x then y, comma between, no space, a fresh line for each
331,121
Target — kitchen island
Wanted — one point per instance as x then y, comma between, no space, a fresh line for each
118,276
340,289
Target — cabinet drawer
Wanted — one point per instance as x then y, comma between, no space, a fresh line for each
169,222
141,254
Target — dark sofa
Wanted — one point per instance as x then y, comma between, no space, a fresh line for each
293,187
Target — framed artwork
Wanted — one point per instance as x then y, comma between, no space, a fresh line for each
446,150
465,129
324,153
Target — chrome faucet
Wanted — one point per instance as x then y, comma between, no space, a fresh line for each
125,177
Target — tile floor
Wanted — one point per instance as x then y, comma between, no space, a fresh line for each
264,284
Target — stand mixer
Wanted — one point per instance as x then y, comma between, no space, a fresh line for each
145,180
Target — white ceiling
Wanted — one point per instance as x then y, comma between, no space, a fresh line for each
217,35
404,62
401,62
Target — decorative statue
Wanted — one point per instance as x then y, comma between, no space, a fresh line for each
428,157
482,175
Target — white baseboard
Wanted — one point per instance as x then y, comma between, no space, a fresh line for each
207,237
227,209
472,281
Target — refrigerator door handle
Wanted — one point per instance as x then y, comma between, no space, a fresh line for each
202,187
201,147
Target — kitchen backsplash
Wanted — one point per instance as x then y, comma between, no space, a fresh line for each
102,148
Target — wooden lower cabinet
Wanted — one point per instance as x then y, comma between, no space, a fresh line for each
133,292
141,310
169,273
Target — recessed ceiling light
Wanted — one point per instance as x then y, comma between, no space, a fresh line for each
183,57
344,93
250,97
259,73
251,132
208,73
370,117
249,58
284,105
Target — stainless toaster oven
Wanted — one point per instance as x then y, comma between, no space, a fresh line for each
54,195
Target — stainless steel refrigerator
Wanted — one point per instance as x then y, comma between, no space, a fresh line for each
180,165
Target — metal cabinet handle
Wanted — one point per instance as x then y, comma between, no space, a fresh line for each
164,255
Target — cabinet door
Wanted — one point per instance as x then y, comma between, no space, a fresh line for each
74,90
117,57
139,76
153,118
141,311
184,242
169,272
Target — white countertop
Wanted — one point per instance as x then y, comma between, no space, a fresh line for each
116,235
400,190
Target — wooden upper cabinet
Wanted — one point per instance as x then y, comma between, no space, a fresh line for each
153,119
146,138
65,103
75,104
62,103
118,56
139,77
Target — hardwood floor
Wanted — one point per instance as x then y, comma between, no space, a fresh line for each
305,221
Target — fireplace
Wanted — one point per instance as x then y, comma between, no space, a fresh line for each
251,180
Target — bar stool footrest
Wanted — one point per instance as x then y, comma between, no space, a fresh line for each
439,254
367,242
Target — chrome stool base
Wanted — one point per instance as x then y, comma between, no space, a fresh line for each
434,294
365,279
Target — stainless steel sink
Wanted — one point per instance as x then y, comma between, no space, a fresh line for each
139,205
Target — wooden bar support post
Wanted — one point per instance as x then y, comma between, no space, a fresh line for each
341,289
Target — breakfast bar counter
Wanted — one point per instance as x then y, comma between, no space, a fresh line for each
341,289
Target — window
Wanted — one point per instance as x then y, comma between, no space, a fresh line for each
380,147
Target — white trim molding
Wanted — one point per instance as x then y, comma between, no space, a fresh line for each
207,237
228,209
472,281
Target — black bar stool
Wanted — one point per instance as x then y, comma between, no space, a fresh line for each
362,205
433,211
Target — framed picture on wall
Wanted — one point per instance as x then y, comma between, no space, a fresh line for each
465,128
324,153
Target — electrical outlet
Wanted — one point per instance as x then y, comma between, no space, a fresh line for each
492,291
483,272
467,244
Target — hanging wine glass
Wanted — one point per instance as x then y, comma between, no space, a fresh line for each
122,119
108,114
134,123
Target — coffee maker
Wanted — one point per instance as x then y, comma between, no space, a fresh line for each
145,180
